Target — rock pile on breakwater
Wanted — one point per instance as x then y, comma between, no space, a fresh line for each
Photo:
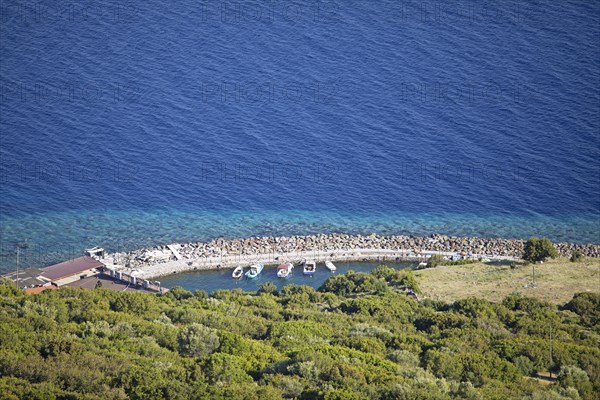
267,245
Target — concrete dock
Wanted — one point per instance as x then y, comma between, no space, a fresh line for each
174,251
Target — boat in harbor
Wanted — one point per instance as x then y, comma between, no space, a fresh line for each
284,270
237,272
330,266
255,270
309,267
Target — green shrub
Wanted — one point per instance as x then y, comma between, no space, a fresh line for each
404,278
365,344
435,260
404,358
462,261
290,386
587,306
524,364
343,394
268,288
179,293
572,376
338,284
197,340
577,256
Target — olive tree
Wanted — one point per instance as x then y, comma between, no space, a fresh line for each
537,249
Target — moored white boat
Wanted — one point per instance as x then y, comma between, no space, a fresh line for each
255,270
330,266
309,267
237,272
284,270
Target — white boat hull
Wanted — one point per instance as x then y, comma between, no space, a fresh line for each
309,268
237,273
254,271
283,273
284,270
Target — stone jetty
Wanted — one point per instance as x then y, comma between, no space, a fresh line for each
228,253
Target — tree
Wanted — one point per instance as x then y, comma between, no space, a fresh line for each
537,249
587,306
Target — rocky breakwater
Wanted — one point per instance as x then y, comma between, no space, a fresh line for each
247,248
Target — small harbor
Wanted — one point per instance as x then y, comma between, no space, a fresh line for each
215,279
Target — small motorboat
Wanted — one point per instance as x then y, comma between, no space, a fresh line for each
309,267
255,270
284,270
330,266
237,272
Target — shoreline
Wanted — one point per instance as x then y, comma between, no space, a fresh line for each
157,261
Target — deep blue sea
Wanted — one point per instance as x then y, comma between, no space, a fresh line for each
131,123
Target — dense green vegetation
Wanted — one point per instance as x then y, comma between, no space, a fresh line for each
438,259
358,337
537,249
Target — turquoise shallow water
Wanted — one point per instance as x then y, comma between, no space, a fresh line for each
221,279
60,235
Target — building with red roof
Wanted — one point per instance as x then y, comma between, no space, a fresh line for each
72,270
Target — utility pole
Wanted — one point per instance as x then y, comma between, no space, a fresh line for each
17,278
18,247
550,369
533,283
